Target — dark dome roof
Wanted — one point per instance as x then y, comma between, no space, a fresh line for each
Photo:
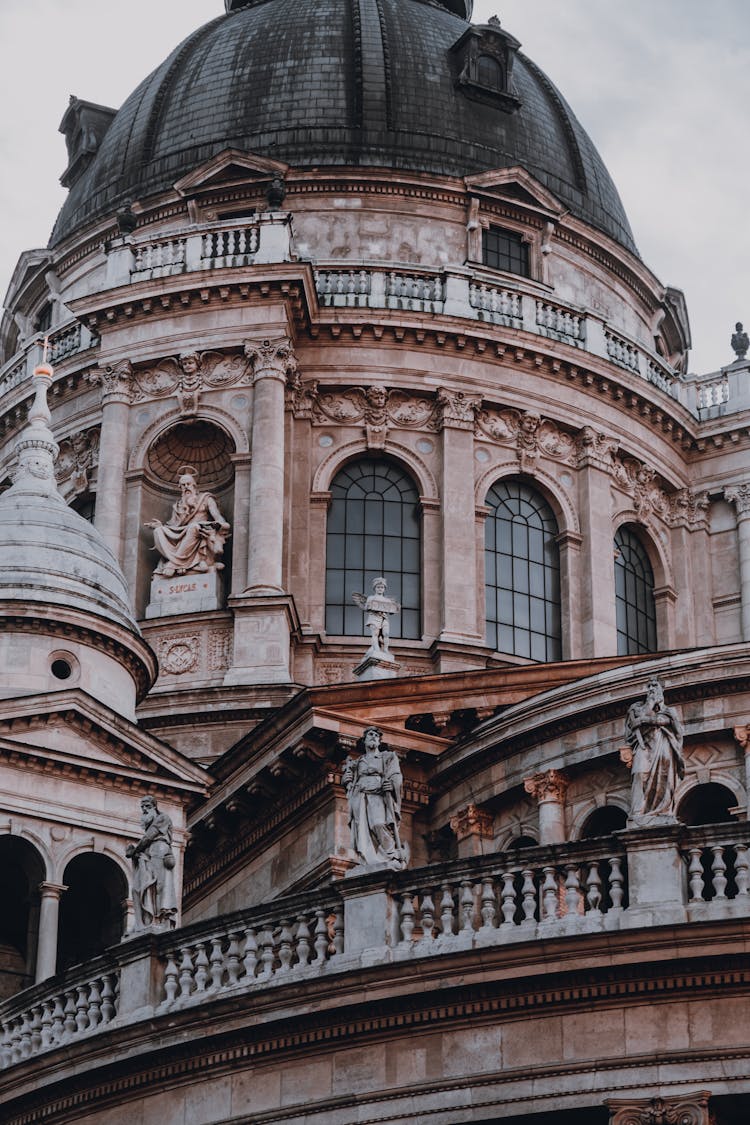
329,83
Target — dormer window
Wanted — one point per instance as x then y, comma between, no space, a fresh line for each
489,73
482,62
505,250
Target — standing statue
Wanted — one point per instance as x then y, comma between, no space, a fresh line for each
154,898
194,538
654,734
373,788
378,609
740,341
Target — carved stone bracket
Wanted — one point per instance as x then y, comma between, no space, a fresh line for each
595,449
686,1109
739,495
472,821
532,435
271,359
688,509
549,786
115,381
78,456
639,482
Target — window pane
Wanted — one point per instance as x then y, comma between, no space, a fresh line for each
634,595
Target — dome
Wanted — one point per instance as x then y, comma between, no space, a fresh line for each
324,83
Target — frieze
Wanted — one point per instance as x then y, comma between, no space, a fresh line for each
532,435
685,1109
78,456
187,375
639,481
376,407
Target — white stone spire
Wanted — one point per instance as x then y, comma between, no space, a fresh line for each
36,448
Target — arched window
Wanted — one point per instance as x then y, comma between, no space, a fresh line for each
373,529
707,804
91,909
603,822
634,594
489,72
21,872
522,573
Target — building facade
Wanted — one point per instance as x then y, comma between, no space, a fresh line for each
344,292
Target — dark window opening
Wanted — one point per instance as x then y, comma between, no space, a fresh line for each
85,505
91,909
603,822
634,595
489,72
505,250
707,804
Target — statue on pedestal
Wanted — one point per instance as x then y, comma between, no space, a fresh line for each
740,341
194,537
654,733
373,788
154,897
378,608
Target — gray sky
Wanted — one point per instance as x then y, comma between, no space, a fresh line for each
662,86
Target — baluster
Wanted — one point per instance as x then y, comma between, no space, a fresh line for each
265,940
363,283
95,1004
255,239
446,910
489,904
233,958
529,897
508,895
695,871
82,1005
201,967
217,963
407,916
438,294
250,953
171,984
58,1020
594,889
5,1051
741,870
25,1039
338,929
303,941
46,1030
285,946
718,868
187,972
616,880
467,906
572,889
70,1014
549,894
321,936
36,1029
427,916
15,1041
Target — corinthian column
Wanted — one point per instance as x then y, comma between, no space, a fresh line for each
597,596
272,362
549,788
49,914
739,495
113,456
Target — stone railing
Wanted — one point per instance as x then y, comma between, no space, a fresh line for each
560,323
495,304
622,352
80,1005
666,876
64,342
718,393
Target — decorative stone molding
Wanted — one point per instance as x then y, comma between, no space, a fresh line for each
688,509
458,411
532,435
595,449
376,407
187,375
115,381
472,821
178,655
739,495
78,455
638,481
271,359
219,650
686,1109
549,786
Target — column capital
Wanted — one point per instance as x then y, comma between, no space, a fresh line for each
115,381
472,821
739,495
271,359
548,786
457,411
595,449
688,509
52,890
686,1109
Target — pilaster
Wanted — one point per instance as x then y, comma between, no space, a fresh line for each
115,381
49,918
597,572
459,607
739,495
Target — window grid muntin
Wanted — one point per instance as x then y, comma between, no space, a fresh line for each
522,573
374,528
505,250
634,596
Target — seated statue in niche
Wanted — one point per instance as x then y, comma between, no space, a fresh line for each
378,608
373,784
654,733
194,537
154,896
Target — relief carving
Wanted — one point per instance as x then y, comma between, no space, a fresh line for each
595,449
532,435
189,374
685,1109
639,482
78,455
374,407
458,410
688,508
219,650
178,655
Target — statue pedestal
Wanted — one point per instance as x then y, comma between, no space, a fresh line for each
184,593
377,666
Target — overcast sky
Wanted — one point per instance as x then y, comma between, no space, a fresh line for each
662,86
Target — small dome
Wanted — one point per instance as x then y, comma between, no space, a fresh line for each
324,83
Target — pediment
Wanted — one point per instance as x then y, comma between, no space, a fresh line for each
516,185
70,732
232,166
31,266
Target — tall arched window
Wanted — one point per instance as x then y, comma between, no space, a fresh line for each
522,573
634,594
373,529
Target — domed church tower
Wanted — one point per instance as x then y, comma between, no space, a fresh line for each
394,551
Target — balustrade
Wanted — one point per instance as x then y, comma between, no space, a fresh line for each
622,352
497,305
343,287
718,873
232,246
57,1018
159,259
417,292
560,323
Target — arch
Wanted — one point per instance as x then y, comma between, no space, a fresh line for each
560,503
658,553
91,909
156,429
603,820
22,870
522,572
410,462
373,529
635,586
706,802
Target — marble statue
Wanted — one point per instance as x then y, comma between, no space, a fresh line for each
154,897
740,341
373,788
654,735
194,538
378,608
